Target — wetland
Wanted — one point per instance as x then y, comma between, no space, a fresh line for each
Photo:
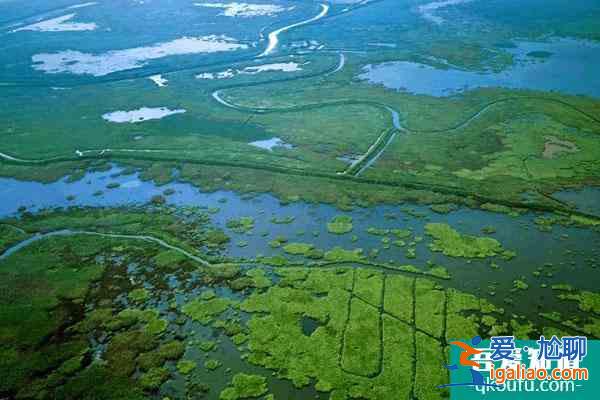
290,199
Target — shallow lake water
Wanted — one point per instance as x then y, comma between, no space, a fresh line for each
566,252
533,248
586,200
563,65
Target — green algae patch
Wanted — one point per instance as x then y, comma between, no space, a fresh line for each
401,233
278,242
151,323
139,295
212,364
169,351
153,379
295,248
499,208
454,244
245,386
283,220
565,287
439,272
258,278
207,345
216,238
208,295
275,261
241,225
520,284
584,221
169,259
340,225
230,327
255,278
220,272
587,301
204,311
185,367
156,326
378,231
239,339
339,254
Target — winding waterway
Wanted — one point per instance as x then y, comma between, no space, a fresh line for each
273,37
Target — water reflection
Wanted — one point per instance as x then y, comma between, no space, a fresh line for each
563,65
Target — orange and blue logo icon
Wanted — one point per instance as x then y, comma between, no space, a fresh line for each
467,352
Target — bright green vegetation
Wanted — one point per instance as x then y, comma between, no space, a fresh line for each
454,244
169,259
204,311
259,278
563,287
398,233
429,307
298,248
368,286
253,278
520,284
369,321
169,351
207,345
587,301
361,351
378,231
212,364
244,386
155,377
278,241
208,295
241,225
398,298
352,322
139,295
340,224
339,254
185,367
355,358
